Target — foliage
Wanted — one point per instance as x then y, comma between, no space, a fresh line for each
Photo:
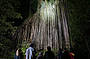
8,16
13,13
79,27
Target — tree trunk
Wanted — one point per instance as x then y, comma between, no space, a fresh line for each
48,27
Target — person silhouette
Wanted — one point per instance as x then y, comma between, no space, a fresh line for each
21,54
65,55
40,56
59,56
49,54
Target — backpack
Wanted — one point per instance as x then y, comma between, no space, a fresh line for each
29,54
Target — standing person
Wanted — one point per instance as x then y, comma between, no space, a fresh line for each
17,54
59,54
40,56
65,55
49,54
71,55
21,54
29,51
33,53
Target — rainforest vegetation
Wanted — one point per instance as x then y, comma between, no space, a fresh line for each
13,13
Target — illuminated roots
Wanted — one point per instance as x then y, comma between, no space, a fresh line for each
47,11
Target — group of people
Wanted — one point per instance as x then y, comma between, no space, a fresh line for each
30,53
49,54
65,54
